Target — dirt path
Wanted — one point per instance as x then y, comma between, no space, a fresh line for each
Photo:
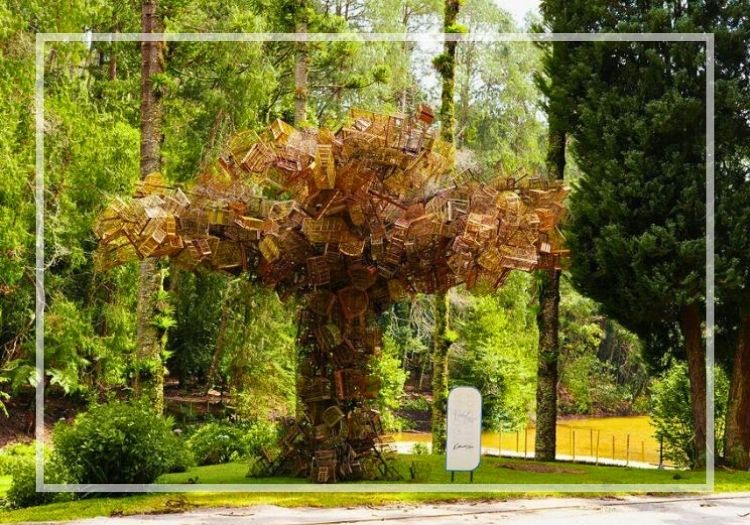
641,510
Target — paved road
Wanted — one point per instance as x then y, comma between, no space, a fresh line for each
633,510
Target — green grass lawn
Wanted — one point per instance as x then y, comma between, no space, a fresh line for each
430,469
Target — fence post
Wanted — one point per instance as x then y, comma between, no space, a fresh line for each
525,442
661,452
591,442
627,452
598,436
574,445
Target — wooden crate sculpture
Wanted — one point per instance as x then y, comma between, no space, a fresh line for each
361,229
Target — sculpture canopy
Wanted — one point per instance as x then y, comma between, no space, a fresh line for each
356,221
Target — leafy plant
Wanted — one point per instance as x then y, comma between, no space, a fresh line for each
18,461
119,443
222,442
671,412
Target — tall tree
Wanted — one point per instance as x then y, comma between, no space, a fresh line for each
729,20
637,224
445,64
148,336
552,84
300,67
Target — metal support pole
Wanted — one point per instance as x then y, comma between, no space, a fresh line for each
627,452
661,452
574,445
525,442
598,437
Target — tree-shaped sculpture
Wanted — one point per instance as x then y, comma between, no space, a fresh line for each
363,225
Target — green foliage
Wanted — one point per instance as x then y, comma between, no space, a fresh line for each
119,443
601,366
671,412
259,356
221,442
18,461
496,352
11,455
387,370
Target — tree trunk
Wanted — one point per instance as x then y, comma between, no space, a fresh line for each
440,374
447,70
548,321
737,450
547,367
300,69
148,339
690,326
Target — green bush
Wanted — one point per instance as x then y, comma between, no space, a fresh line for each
672,415
221,442
13,454
18,461
119,443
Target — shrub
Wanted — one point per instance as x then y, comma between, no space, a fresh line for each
221,442
119,443
18,461
672,414
13,454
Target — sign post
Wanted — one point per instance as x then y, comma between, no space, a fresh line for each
464,434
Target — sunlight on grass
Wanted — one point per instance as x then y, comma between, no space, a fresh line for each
429,469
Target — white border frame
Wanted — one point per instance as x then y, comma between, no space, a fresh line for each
43,38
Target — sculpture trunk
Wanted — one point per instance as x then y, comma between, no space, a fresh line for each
737,452
690,326
337,433
150,381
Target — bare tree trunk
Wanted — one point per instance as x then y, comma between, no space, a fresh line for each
440,373
300,69
737,450
547,366
545,443
148,338
690,326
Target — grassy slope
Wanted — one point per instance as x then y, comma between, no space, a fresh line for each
430,469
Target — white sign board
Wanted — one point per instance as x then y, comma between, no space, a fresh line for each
464,433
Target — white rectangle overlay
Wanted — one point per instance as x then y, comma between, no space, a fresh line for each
707,38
